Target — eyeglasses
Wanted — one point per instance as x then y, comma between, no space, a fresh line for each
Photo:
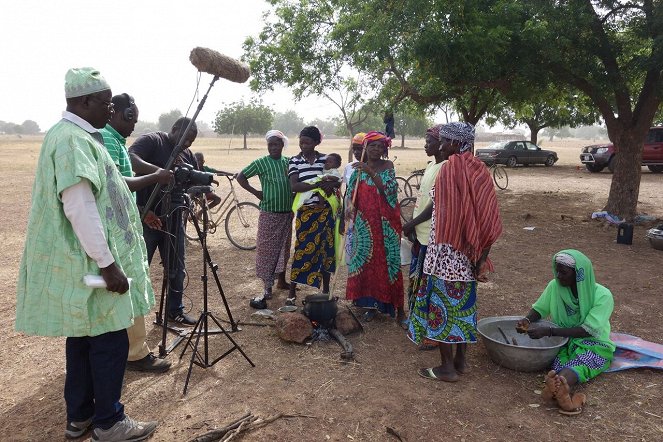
108,104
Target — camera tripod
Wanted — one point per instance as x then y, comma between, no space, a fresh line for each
201,329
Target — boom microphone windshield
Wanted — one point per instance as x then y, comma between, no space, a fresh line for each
212,62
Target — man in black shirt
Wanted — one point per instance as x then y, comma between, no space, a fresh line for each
149,153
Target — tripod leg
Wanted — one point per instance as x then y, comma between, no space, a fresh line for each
235,344
194,354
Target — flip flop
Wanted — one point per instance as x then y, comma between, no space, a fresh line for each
290,301
428,373
575,412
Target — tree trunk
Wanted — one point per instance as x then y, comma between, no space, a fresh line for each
533,133
403,140
625,186
350,128
245,146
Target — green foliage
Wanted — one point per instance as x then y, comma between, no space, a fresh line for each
28,127
297,49
144,127
288,122
243,118
167,120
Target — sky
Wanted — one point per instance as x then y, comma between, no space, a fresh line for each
141,47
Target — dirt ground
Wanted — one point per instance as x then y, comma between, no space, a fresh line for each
359,400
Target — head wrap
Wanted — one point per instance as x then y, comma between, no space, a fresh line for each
565,259
277,134
358,138
377,136
313,133
83,81
434,131
458,131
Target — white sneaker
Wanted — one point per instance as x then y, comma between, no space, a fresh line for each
126,430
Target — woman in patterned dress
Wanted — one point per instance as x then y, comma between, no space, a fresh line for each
375,281
581,309
465,223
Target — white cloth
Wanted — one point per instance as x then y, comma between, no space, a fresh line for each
347,172
80,208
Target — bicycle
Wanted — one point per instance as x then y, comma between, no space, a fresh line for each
404,189
500,177
414,181
240,218
407,208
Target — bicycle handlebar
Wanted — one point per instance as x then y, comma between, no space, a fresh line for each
222,173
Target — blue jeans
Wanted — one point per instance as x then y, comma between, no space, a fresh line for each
158,239
93,383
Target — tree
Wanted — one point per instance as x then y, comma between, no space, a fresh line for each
167,120
300,53
411,120
143,127
30,127
550,106
325,126
612,51
251,118
288,122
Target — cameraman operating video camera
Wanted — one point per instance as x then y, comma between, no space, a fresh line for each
148,153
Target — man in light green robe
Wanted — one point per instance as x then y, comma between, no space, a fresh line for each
83,222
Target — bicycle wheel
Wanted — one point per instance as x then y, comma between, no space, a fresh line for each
407,208
414,181
189,228
500,177
404,189
242,225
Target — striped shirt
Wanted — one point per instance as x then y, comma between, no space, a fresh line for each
299,165
276,193
116,146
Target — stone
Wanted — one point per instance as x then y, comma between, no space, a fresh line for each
293,327
346,323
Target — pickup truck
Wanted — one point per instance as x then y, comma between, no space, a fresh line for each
599,156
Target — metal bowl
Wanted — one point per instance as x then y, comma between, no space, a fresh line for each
655,237
529,354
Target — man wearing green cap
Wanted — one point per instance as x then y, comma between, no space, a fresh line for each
83,222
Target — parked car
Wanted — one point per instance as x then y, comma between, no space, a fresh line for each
599,156
512,153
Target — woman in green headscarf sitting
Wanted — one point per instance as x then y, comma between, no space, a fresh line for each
581,309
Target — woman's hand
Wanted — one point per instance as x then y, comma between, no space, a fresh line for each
408,228
480,270
522,325
365,168
539,332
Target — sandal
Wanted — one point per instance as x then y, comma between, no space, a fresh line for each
369,315
290,301
428,373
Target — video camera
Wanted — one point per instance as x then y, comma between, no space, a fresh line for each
185,176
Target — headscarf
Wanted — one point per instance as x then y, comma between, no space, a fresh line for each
565,259
591,310
313,133
358,138
434,131
83,81
377,136
277,134
458,131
